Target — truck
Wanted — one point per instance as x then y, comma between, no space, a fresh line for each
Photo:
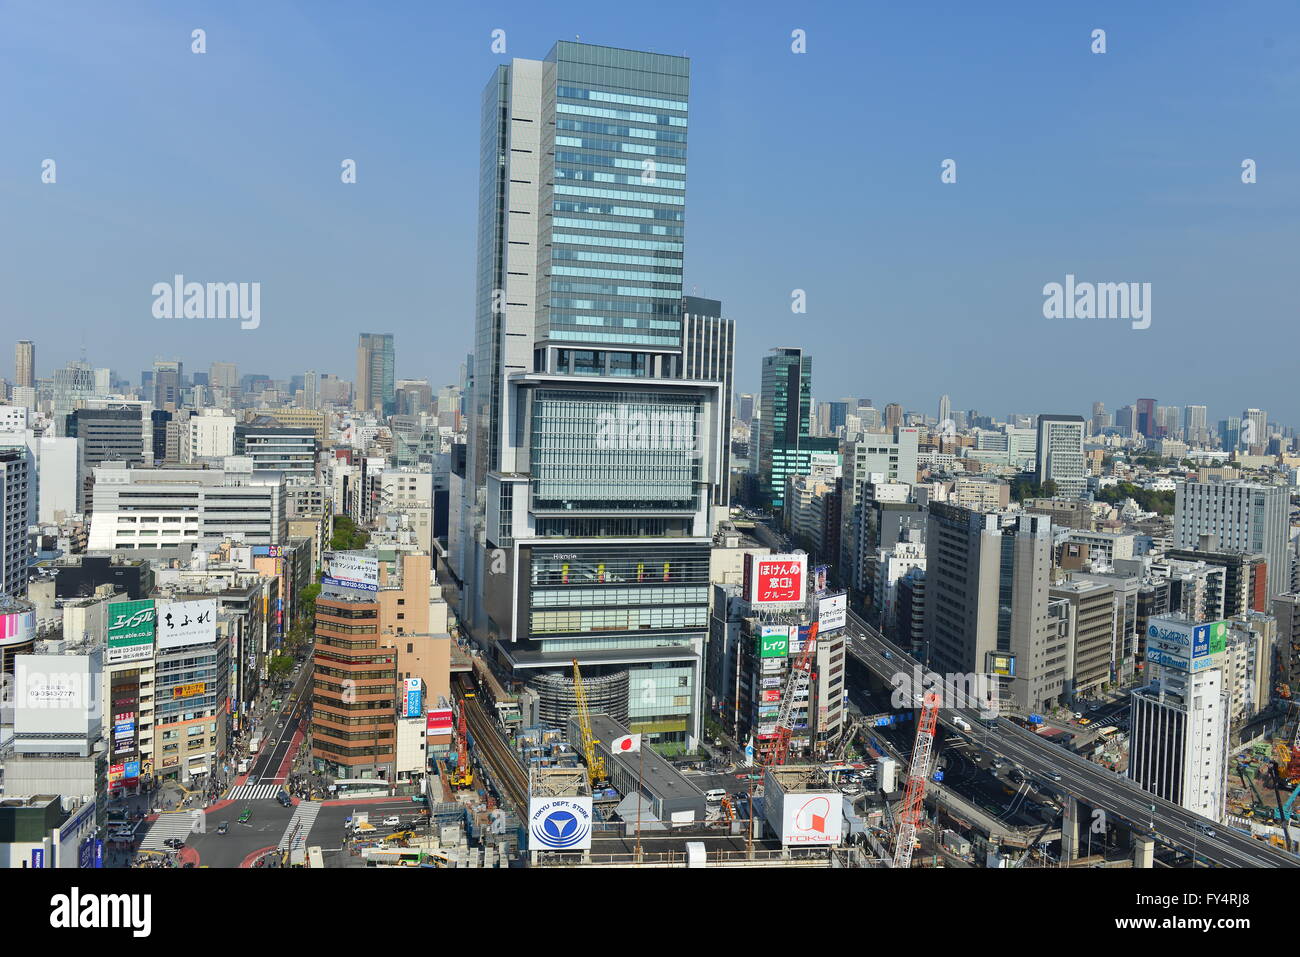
243,765
961,723
254,743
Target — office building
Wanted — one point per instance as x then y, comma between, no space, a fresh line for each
1195,430
1144,418
274,449
1060,454
174,509
1090,606
17,486
168,382
784,425
988,606
25,364
212,435
708,346
1178,747
375,387
585,492
1242,517
73,384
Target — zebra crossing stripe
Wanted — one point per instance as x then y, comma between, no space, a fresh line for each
254,792
304,816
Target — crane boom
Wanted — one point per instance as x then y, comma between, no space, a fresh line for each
914,794
595,763
779,748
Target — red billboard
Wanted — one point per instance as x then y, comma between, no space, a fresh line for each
438,722
777,580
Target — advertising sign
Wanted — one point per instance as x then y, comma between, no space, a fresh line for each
559,824
771,682
344,584
38,857
777,581
772,694
130,630
189,690
185,623
131,770
354,568
833,611
820,579
438,721
1218,636
414,698
1000,663
805,632
773,665
812,819
773,641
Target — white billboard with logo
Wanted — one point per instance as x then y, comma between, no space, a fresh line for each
559,824
812,818
832,612
354,568
184,623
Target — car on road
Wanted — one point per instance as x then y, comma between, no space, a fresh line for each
1205,829
888,655
1056,776
1095,707
284,799
174,842
1078,715
246,816
392,820
1084,722
223,827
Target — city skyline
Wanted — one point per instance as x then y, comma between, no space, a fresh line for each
327,252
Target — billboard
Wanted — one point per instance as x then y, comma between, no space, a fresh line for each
57,694
414,698
776,581
131,627
17,627
438,721
833,611
811,818
189,690
805,632
354,568
559,824
184,623
820,579
773,641
1000,663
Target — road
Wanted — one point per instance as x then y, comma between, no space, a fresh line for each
279,729
1094,785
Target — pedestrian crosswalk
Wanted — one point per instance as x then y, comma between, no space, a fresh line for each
179,824
304,815
254,792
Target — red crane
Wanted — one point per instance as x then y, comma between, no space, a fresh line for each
778,747
914,794
463,776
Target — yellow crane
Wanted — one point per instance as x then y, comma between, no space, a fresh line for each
595,763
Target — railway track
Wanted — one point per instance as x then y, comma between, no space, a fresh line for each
495,755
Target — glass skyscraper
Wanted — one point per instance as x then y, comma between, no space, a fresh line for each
375,384
584,524
784,446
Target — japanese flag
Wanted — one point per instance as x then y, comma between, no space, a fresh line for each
626,744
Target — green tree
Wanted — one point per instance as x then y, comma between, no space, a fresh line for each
279,667
347,536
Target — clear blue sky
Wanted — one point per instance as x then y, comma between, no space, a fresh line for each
817,171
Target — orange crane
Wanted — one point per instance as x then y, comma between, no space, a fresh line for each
914,793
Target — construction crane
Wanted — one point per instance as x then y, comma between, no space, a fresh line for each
595,762
914,794
778,747
463,776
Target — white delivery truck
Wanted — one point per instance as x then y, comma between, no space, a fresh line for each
961,723
254,743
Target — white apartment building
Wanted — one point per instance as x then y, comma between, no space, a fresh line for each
1246,517
212,435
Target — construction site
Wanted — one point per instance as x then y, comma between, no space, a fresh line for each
1264,782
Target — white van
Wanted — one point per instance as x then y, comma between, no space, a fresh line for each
714,795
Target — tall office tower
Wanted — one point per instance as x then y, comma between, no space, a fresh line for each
709,349
375,384
893,416
745,407
786,421
311,389
585,491
17,488
1286,609
1144,418
1256,433
1178,749
1194,427
1241,517
1098,423
945,409
1169,421
870,457
987,603
1125,421
25,364
224,375
73,384
168,381
1060,454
